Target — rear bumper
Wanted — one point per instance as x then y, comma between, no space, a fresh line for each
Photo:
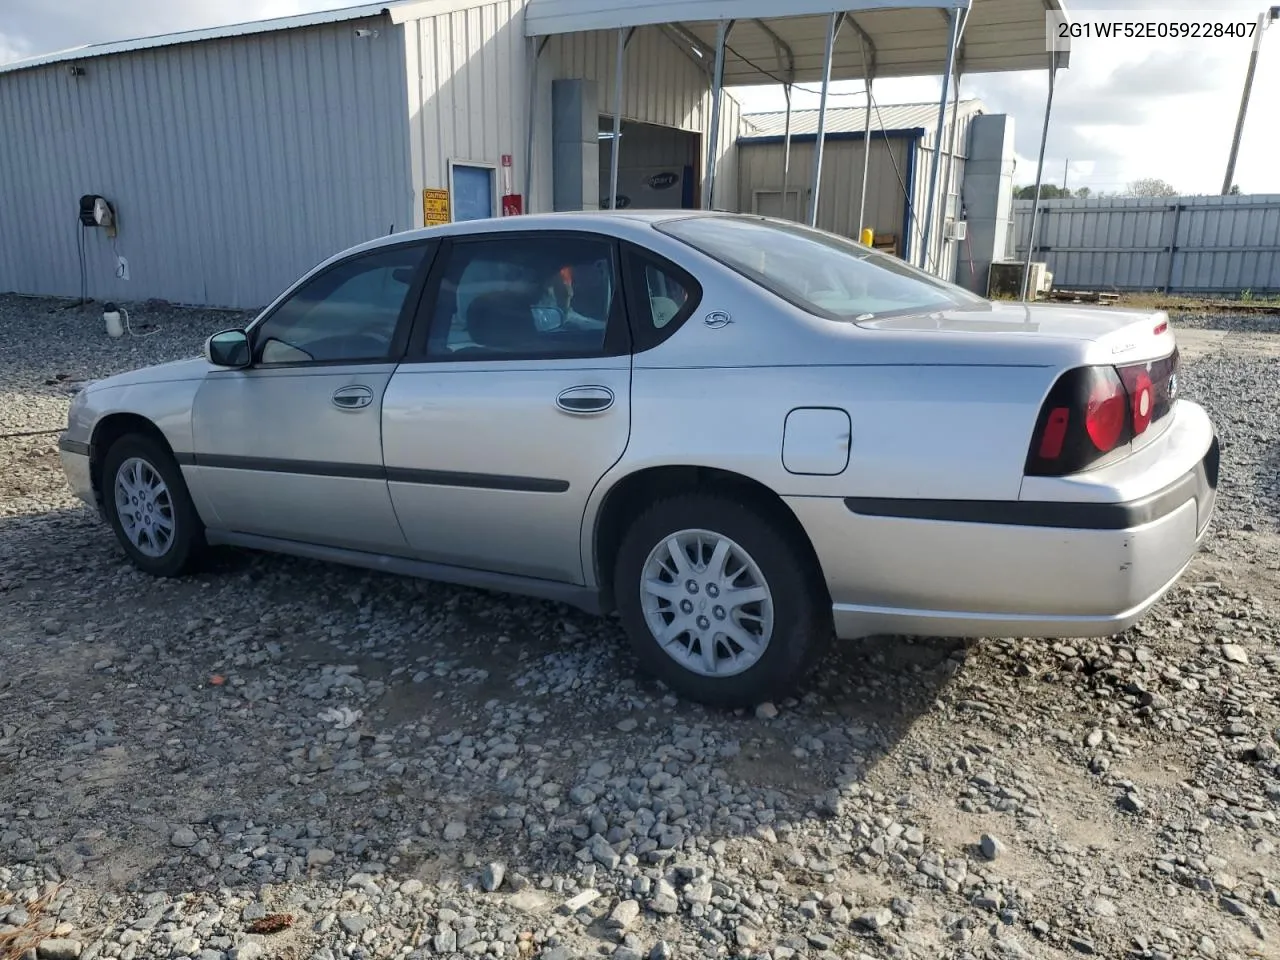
1025,569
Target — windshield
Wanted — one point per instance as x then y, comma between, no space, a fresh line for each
817,271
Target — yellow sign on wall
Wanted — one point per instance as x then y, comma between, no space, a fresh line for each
435,206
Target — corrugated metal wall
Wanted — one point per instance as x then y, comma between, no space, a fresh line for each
234,164
469,94
760,168
1207,244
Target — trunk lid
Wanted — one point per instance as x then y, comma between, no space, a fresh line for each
1128,335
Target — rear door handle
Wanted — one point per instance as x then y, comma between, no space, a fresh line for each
585,399
352,398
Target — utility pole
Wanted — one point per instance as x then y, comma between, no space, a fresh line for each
1066,166
1264,20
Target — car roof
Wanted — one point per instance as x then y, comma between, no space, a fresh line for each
589,220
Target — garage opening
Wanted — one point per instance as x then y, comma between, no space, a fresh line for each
657,166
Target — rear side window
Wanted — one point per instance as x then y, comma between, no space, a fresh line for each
662,297
819,272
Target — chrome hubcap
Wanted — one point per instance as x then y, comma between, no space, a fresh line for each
706,603
144,507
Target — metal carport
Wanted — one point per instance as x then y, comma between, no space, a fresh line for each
746,43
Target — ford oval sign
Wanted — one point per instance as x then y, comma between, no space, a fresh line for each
661,181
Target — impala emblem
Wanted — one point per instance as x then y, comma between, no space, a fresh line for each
717,319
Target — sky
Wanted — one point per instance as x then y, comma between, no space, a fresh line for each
1126,109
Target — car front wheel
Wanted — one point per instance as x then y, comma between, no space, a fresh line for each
148,507
720,601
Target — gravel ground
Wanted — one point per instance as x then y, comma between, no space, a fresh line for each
278,758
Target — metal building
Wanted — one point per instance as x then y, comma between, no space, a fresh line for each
903,138
232,159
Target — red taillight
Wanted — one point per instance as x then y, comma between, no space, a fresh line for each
1142,399
1104,415
1055,433
1093,412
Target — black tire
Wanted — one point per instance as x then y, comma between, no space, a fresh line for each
802,628
187,545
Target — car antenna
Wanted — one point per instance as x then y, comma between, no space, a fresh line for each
391,230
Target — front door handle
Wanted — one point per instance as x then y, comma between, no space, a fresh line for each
586,399
352,398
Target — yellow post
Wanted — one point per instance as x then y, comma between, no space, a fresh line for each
868,236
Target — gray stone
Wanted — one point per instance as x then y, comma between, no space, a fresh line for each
492,876
319,857
249,950
624,915
1235,653
353,923
455,831
766,711
991,846
184,837
661,951
446,941
253,911
59,949
876,919
577,902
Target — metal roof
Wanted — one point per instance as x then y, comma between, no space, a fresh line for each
398,10
901,116
902,38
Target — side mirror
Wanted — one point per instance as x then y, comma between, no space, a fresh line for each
547,319
229,348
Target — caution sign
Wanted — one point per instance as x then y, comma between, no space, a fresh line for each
435,206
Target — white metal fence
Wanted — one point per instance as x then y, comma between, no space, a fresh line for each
1220,245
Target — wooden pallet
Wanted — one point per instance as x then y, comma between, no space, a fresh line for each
1103,298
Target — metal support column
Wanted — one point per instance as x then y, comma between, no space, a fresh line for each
1035,207
713,138
1264,21
786,152
866,158
614,150
954,18
833,27
536,46
946,176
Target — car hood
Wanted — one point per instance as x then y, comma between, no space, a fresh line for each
191,368
1064,321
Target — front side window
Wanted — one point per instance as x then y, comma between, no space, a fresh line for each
820,272
348,313
525,296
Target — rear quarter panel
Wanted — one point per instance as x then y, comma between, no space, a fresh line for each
932,414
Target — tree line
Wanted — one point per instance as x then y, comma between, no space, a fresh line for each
1147,187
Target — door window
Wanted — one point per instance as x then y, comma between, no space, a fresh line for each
527,296
348,313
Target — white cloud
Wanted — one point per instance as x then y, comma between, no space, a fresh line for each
1125,109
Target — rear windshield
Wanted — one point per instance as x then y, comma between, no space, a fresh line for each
819,272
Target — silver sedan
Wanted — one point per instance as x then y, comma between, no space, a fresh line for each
743,436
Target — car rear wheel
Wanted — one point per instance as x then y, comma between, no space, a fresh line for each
719,601
149,508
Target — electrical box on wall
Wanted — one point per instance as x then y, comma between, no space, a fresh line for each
96,211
